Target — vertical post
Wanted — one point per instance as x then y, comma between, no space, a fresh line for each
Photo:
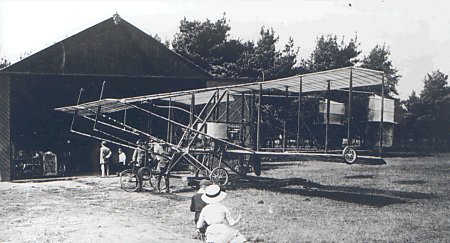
124,118
382,114
214,111
168,120
252,106
149,123
192,110
299,110
217,112
99,107
227,111
349,106
258,122
328,115
76,111
284,120
242,119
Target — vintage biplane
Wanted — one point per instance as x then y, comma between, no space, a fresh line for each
216,130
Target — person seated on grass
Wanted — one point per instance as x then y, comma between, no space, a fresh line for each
197,204
218,218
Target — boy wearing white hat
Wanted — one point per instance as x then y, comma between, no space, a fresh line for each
218,218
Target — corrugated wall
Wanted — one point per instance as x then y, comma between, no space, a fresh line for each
5,159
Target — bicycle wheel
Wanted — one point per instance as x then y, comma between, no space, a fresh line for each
350,155
219,176
128,181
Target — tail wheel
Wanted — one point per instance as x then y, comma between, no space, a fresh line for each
219,176
128,181
241,169
350,155
145,176
242,166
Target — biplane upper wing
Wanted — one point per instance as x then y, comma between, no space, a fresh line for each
89,108
311,82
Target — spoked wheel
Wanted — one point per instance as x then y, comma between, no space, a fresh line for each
350,155
128,181
219,176
145,176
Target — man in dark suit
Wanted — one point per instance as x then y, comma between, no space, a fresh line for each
197,203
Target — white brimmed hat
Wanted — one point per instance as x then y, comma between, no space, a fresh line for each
213,194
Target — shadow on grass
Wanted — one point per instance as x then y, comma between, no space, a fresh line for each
360,177
351,194
410,182
171,196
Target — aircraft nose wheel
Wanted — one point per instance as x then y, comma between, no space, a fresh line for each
350,155
219,176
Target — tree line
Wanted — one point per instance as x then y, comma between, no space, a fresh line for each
423,120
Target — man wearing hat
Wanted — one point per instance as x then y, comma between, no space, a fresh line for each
162,156
197,204
105,155
139,153
218,218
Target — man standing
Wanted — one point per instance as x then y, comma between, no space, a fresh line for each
162,155
122,160
105,155
139,153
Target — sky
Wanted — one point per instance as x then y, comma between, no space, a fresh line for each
417,32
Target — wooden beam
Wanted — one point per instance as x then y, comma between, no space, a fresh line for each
299,110
327,115
242,119
382,118
284,121
349,107
258,122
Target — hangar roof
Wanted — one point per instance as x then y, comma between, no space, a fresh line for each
111,47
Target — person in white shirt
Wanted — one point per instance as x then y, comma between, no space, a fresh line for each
122,159
218,218
105,155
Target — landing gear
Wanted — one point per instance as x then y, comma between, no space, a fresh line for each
219,176
128,181
349,155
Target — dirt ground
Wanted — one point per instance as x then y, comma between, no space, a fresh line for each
405,200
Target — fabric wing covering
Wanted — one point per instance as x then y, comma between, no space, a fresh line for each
311,82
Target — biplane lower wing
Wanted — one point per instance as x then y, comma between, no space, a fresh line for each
327,157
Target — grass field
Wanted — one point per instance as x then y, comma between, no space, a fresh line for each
406,200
